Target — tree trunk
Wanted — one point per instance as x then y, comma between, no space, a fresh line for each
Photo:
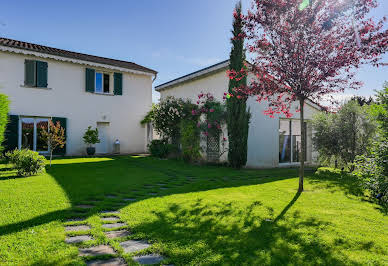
302,154
51,156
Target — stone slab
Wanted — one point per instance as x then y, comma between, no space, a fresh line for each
152,194
77,239
130,199
110,262
72,228
111,196
110,219
97,251
134,245
114,225
111,211
85,206
148,259
116,234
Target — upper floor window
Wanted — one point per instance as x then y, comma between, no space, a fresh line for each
100,82
35,73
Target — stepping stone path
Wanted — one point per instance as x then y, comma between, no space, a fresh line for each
116,234
134,245
114,225
73,228
148,259
97,251
110,219
78,239
100,250
111,262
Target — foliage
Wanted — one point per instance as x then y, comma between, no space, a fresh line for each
4,108
190,140
55,137
150,116
237,115
26,162
91,136
309,50
212,116
161,148
372,168
209,215
167,116
343,135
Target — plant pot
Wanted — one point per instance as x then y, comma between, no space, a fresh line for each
90,150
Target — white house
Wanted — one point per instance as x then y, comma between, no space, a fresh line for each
78,90
272,142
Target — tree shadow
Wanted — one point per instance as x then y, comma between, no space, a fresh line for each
100,181
222,233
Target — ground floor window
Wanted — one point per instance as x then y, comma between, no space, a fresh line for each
290,140
30,133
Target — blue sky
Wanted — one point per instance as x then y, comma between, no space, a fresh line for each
174,37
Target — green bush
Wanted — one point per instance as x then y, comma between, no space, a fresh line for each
190,141
161,148
26,162
4,108
91,136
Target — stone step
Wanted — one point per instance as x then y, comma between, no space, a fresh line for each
148,259
110,262
113,225
116,234
73,228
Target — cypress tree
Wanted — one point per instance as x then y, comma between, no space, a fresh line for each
237,115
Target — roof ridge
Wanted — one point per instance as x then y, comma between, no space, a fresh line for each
67,53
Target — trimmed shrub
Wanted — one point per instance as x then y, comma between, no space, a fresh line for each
190,141
161,148
26,162
4,108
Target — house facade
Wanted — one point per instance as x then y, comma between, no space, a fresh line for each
78,90
272,142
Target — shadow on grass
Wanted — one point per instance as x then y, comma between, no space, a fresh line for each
126,177
225,234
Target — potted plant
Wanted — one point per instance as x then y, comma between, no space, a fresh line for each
90,138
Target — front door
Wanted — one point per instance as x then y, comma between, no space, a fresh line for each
103,135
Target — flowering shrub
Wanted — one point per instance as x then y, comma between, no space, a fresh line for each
168,114
212,115
190,141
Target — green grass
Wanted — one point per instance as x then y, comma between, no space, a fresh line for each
221,217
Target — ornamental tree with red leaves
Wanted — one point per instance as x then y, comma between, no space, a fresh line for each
309,49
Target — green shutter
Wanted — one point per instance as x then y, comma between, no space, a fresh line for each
41,74
30,73
62,121
118,84
90,79
11,133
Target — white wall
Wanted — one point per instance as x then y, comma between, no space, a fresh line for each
263,136
66,97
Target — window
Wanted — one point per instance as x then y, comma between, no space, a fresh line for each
30,135
290,141
102,83
35,74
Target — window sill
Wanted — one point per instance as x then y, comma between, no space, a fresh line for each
101,93
39,88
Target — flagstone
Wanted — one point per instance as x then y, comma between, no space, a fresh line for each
116,234
78,239
148,259
110,262
134,245
97,251
113,225
110,218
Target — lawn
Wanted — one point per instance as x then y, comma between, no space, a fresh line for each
192,215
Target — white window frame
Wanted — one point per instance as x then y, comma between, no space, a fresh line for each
110,82
34,141
292,142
